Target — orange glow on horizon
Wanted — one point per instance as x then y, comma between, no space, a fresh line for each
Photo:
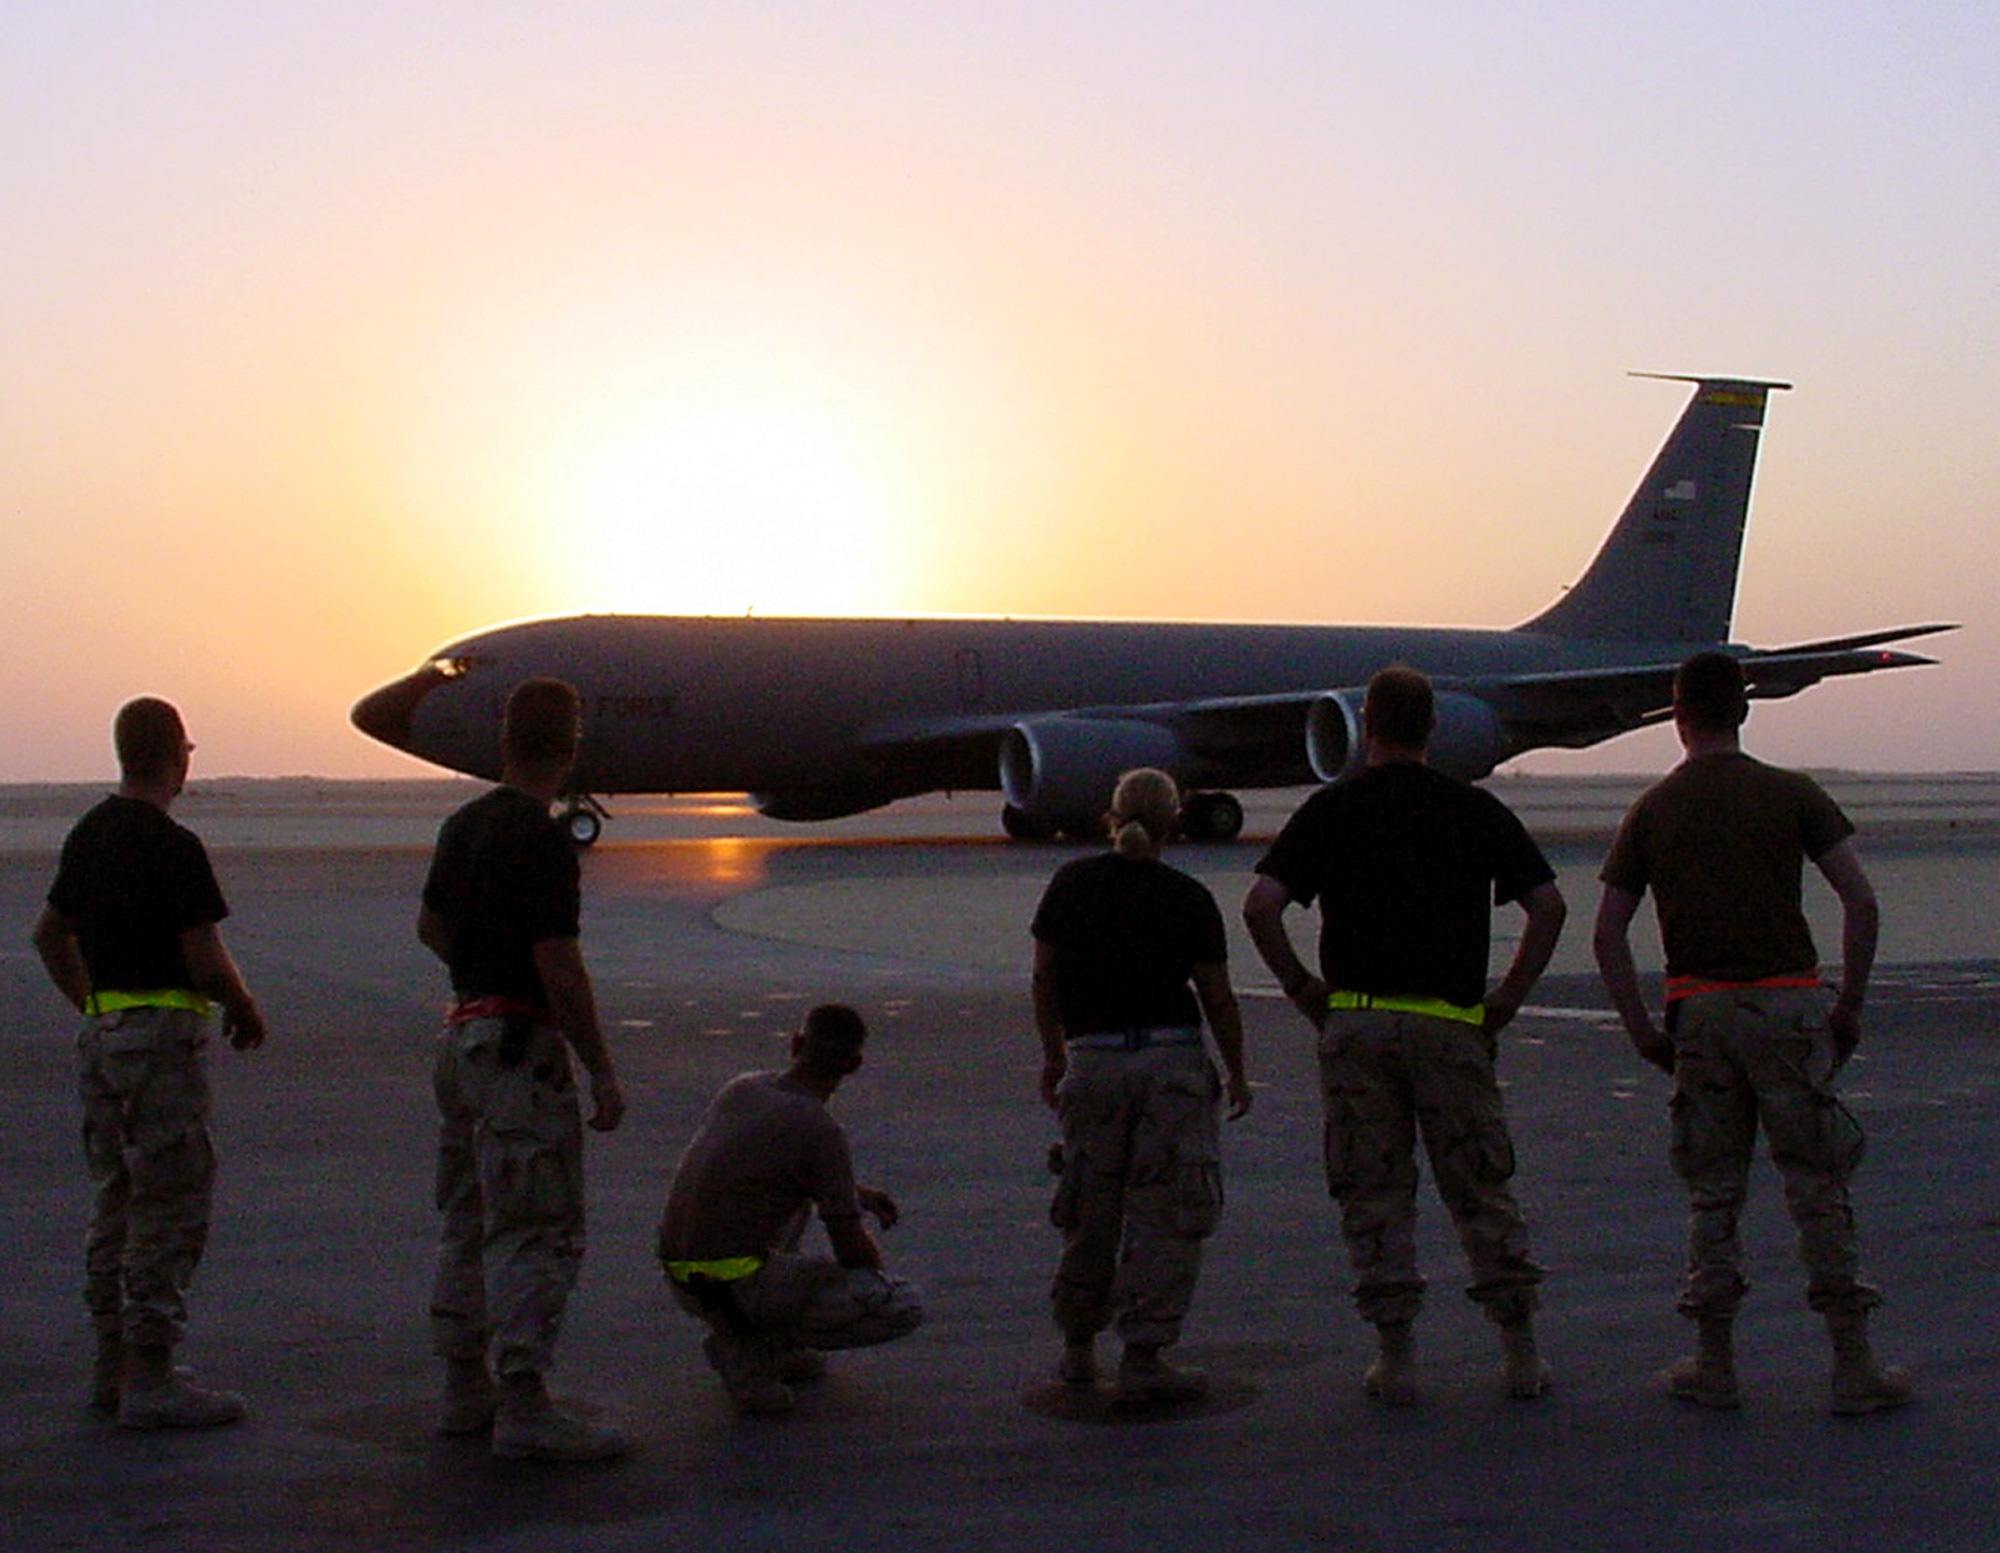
338,334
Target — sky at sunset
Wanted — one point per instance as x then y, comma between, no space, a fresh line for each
331,332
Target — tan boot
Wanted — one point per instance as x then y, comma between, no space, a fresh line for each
1392,1378
158,1396
1708,1375
1522,1371
1860,1385
470,1397
528,1427
1143,1376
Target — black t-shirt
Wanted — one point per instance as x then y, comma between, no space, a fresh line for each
1127,936
130,882
503,879
1406,864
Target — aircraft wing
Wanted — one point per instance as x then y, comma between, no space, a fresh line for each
1294,737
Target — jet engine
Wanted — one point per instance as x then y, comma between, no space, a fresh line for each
1468,741
1057,772
1333,735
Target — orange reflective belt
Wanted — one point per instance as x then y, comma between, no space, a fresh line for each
1679,987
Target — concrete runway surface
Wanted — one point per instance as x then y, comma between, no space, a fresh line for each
709,933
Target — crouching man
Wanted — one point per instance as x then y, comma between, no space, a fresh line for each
767,1155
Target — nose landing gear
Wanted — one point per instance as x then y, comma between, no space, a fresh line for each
583,819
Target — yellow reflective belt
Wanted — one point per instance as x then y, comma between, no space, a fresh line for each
165,997
727,1269
1436,1008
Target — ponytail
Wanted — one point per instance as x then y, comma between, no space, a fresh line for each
1145,808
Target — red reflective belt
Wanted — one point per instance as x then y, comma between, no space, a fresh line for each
465,1010
1679,987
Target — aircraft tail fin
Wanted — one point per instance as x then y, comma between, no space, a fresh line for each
1667,571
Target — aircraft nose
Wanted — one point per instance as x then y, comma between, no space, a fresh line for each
387,713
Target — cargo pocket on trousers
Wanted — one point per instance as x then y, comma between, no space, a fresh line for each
1699,1142
1336,1144
1489,1150
1069,1189
1842,1141
1198,1198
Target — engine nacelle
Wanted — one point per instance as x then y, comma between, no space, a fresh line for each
1333,735
1467,742
1063,768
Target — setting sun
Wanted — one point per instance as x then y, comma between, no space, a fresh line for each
753,507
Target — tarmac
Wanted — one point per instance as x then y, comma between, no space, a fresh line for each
709,932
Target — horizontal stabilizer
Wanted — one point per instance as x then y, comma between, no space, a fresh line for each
1851,643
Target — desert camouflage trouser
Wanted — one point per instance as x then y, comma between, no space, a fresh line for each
1384,1076
144,1087
799,1301
1141,1188
510,1187
1747,1057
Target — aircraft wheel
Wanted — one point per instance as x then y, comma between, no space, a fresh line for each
1213,817
584,826
1023,826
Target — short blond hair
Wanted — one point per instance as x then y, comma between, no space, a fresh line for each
148,736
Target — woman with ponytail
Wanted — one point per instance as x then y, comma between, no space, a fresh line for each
1130,956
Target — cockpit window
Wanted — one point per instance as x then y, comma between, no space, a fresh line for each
453,665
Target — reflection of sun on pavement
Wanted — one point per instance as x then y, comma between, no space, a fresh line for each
982,923
732,863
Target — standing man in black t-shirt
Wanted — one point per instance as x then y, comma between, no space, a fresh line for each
1406,865
501,908
130,937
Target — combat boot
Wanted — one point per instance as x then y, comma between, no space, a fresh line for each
1522,1371
1392,1378
158,1396
469,1397
1708,1375
1143,1376
528,1427
1860,1385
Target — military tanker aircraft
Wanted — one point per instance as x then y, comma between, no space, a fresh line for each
820,718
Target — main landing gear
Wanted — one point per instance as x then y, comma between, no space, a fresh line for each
1204,817
1211,817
